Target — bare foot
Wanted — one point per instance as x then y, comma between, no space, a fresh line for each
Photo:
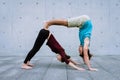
25,66
29,64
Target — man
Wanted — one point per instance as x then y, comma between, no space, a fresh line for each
85,29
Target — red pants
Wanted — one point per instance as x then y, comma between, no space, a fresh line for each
57,48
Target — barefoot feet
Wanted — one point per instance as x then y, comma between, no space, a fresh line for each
25,66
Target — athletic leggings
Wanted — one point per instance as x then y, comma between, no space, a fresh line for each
56,47
52,43
42,36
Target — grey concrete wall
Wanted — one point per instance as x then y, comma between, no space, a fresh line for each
21,20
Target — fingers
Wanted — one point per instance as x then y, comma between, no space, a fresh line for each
93,69
81,69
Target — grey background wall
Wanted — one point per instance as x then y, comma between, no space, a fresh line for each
21,20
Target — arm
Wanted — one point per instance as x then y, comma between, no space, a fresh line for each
87,61
55,22
86,58
75,63
74,66
71,63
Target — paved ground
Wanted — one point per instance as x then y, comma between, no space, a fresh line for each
48,68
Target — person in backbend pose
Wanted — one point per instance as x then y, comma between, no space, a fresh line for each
85,29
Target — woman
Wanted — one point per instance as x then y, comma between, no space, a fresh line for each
85,29
54,46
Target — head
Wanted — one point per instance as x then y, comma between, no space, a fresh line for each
59,58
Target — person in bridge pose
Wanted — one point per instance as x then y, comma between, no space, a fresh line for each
84,24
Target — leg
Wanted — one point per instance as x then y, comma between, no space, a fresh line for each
43,34
62,22
85,51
